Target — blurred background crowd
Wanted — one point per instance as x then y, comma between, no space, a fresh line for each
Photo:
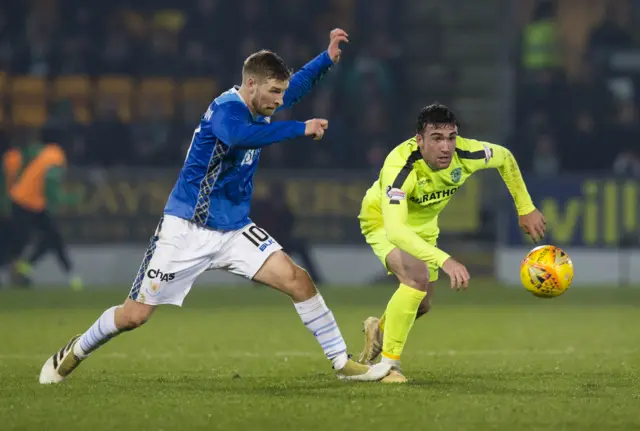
124,82
578,86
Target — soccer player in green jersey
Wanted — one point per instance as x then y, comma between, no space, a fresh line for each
399,219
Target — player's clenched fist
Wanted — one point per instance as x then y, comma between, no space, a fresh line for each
316,128
457,273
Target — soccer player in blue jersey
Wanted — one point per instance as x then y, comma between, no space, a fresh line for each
206,221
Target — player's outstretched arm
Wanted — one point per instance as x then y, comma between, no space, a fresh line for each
531,220
232,126
303,81
499,157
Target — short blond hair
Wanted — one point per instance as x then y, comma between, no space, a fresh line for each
266,64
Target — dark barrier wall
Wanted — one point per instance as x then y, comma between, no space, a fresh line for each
124,206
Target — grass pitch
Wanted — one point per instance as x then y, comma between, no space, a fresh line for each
239,359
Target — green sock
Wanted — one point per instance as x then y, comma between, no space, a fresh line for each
398,319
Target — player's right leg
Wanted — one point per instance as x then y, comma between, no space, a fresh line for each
281,273
112,322
374,326
177,254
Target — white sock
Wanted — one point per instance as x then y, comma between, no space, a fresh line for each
317,317
99,333
395,363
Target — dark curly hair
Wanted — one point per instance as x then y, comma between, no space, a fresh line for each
435,114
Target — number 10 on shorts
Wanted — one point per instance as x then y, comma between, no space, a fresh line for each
258,237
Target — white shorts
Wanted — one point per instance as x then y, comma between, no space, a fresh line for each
181,250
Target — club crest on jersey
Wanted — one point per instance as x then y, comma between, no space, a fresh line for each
249,157
396,195
456,175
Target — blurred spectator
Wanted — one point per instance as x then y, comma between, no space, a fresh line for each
608,35
541,43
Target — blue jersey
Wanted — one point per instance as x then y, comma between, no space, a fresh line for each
215,184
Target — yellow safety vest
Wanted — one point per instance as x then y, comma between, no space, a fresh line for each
540,49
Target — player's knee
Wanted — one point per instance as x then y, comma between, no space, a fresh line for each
418,278
133,319
132,315
299,284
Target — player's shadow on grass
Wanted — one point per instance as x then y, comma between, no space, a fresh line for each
519,384
232,382
314,385
321,385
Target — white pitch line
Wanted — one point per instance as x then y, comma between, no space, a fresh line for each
284,354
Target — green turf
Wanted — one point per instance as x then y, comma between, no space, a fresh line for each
239,359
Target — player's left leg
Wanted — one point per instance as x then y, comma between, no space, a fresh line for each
301,248
252,253
373,328
402,308
411,300
423,309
